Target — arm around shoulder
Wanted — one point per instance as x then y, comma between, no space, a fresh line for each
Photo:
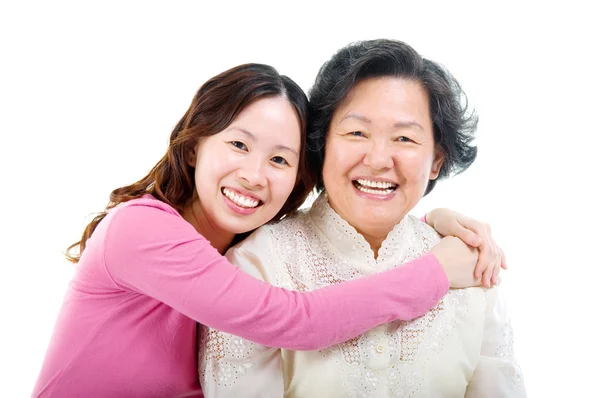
154,252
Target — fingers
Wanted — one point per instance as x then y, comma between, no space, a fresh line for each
476,226
487,276
495,273
493,264
486,258
456,228
468,236
501,264
477,234
481,265
491,257
488,264
503,261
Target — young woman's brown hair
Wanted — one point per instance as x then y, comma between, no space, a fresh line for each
214,107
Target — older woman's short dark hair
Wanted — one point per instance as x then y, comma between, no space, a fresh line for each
453,124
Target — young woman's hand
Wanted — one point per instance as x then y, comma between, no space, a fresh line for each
458,261
477,235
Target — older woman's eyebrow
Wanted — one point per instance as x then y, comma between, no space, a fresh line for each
278,147
356,116
399,125
407,123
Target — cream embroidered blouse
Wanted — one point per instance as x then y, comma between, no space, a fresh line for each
462,347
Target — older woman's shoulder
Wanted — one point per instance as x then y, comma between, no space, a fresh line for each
297,220
420,227
264,234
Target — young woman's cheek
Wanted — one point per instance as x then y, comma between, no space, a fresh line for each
230,161
283,182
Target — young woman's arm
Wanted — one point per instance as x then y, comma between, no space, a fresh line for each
475,233
150,249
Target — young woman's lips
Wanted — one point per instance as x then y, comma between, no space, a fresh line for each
239,202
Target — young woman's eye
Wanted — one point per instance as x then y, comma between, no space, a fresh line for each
404,139
239,145
279,160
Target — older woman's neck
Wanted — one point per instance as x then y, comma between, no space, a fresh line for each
375,242
374,237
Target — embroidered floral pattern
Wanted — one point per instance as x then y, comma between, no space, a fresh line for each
388,361
505,351
215,346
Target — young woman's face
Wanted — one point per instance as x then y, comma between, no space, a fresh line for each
245,173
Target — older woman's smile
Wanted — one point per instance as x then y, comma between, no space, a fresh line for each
374,188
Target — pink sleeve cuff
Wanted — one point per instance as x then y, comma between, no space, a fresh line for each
437,274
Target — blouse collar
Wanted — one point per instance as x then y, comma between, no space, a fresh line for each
348,241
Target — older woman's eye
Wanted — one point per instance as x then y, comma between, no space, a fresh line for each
239,145
279,160
404,139
356,134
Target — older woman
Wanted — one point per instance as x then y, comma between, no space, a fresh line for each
386,125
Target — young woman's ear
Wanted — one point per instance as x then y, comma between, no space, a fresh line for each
191,156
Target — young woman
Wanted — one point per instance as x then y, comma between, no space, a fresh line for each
151,266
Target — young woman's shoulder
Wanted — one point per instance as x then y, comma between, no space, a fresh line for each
145,208
147,219
146,233
148,203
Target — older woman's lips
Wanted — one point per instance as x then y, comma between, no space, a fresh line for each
372,190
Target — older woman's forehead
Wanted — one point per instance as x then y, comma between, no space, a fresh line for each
393,103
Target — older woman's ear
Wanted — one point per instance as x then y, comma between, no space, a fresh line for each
438,162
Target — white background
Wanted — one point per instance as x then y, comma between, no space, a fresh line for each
90,91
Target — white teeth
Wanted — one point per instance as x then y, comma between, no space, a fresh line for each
376,184
375,191
240,200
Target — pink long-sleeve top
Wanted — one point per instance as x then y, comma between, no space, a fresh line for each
127,327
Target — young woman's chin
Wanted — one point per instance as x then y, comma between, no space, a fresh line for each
237,219
242,225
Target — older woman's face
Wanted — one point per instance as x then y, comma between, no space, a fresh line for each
380,154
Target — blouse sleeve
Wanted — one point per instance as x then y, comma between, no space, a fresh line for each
497,374
152,250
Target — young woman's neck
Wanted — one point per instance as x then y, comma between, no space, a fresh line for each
218,238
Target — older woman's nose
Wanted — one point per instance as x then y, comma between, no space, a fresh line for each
379,156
